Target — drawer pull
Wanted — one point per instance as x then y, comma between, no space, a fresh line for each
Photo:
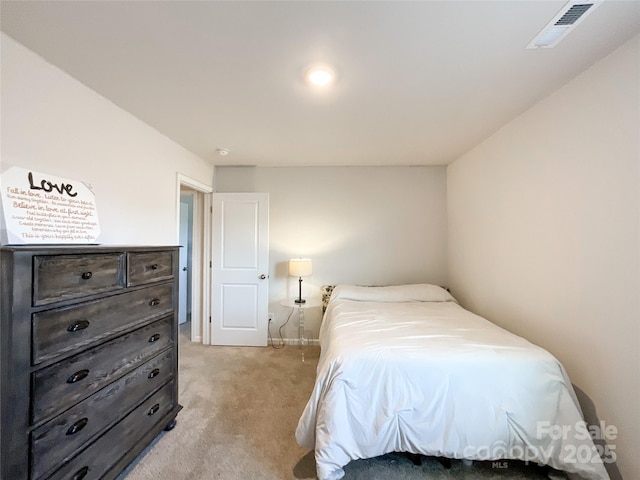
154,338
154,409
79,375
154,266
80,474
87,275
76,427
80,325
154,301
154,373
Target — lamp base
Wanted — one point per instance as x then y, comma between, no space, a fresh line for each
300,300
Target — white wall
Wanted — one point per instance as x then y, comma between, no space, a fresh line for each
53,124
362,225
544,236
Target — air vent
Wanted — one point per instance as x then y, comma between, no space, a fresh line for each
565,21
574,13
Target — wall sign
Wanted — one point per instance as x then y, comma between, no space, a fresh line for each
43,208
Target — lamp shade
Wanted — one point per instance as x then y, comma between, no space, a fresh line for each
299,267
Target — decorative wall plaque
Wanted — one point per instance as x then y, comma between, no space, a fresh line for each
46,209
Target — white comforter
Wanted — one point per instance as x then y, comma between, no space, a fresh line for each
433,378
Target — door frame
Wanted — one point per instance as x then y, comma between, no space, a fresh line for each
201,255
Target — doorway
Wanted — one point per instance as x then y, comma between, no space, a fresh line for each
193,200
186,255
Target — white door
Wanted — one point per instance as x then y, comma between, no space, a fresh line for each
239,270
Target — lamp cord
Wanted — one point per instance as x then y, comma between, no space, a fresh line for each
282,345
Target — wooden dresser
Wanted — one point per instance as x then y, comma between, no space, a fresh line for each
89,358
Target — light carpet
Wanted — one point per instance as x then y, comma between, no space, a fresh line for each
241,408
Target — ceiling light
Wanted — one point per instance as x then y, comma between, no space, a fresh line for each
222,151
320,76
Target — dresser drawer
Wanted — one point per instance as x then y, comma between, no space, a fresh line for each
57,440
145,267
94,462
62,277
64,330
65,383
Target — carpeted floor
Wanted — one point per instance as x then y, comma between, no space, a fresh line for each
241,408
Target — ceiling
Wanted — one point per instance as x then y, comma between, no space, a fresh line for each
419,83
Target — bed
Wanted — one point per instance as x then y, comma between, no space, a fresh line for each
407,369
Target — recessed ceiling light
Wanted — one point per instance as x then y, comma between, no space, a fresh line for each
222,151
320,75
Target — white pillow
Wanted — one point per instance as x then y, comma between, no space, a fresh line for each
422,292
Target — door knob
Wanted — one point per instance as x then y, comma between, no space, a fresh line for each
263,276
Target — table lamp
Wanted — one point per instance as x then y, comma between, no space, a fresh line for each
299,267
